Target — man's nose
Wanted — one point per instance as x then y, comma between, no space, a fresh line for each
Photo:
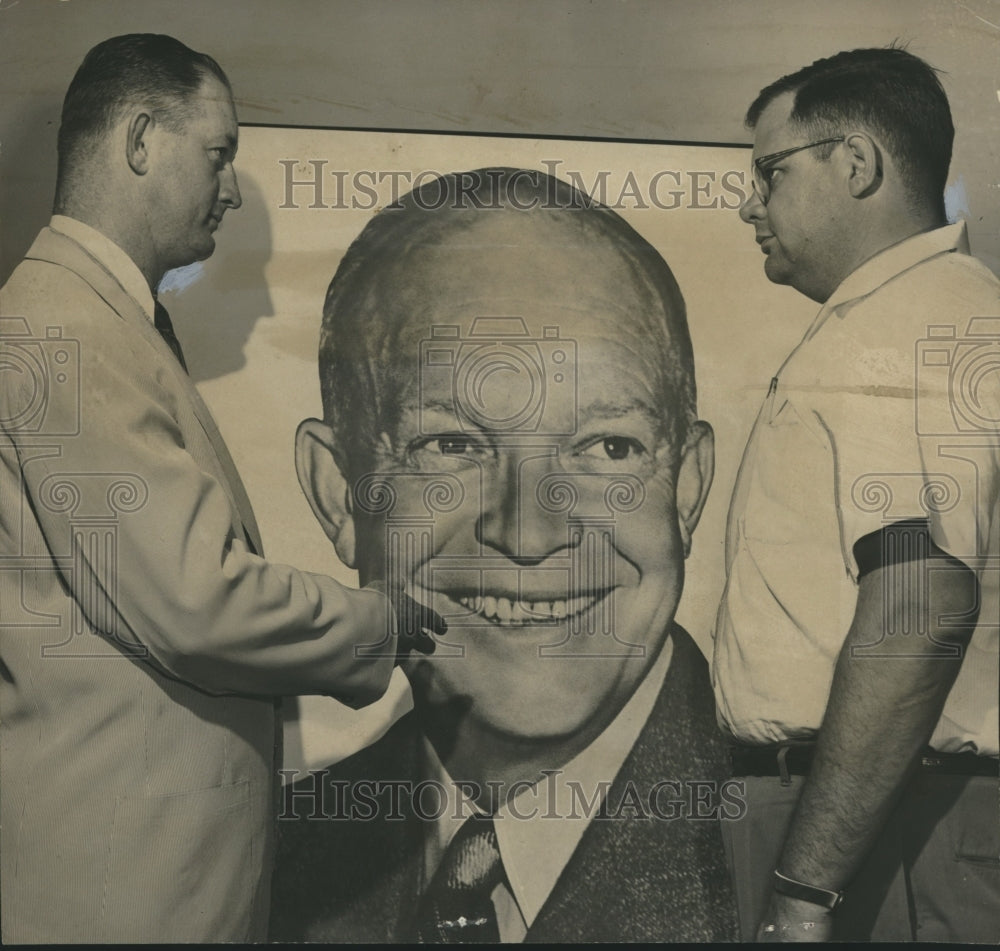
752,209
513,522
229,192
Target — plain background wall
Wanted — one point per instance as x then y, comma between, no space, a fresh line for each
680,70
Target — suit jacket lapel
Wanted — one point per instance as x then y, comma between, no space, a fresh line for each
354,877
55,248
394,899
633,878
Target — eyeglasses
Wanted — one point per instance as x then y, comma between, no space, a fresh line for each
763,167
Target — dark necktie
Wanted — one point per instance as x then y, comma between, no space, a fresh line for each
456,908
161,320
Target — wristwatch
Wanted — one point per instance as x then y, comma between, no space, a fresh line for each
784,885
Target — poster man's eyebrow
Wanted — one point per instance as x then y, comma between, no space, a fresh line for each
446,406
616,409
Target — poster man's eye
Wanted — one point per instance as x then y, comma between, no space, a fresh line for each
452,445
433,450
615,448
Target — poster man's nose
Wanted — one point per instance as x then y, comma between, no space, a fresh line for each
513,521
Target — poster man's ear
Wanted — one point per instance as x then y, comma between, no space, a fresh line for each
694,479
326,487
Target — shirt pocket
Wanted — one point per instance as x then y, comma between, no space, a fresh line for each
792,483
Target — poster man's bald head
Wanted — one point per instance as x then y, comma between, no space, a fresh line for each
490,234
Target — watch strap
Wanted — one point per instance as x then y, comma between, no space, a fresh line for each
825,897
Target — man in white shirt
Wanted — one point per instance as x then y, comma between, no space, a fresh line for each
856,648
510,427
144,636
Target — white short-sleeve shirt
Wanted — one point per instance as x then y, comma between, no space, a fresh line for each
888,410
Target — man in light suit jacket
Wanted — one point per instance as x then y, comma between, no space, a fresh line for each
144,636
510,427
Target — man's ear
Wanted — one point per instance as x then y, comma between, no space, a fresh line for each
325,486
865,157
694,478
136,145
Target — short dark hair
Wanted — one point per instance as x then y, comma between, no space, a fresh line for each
890,92
138,67
362,370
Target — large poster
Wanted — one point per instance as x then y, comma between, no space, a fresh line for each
250,319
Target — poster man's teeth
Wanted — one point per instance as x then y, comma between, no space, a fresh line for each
505,611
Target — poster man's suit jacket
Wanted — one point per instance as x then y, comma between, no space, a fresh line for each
630,878
143,640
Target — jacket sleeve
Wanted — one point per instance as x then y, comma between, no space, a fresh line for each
173,578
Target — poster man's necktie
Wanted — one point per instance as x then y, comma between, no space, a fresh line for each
456,908
161,320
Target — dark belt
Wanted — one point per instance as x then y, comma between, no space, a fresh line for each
795,759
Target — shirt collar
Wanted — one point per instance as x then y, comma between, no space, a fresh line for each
893,261
121,267
534,844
